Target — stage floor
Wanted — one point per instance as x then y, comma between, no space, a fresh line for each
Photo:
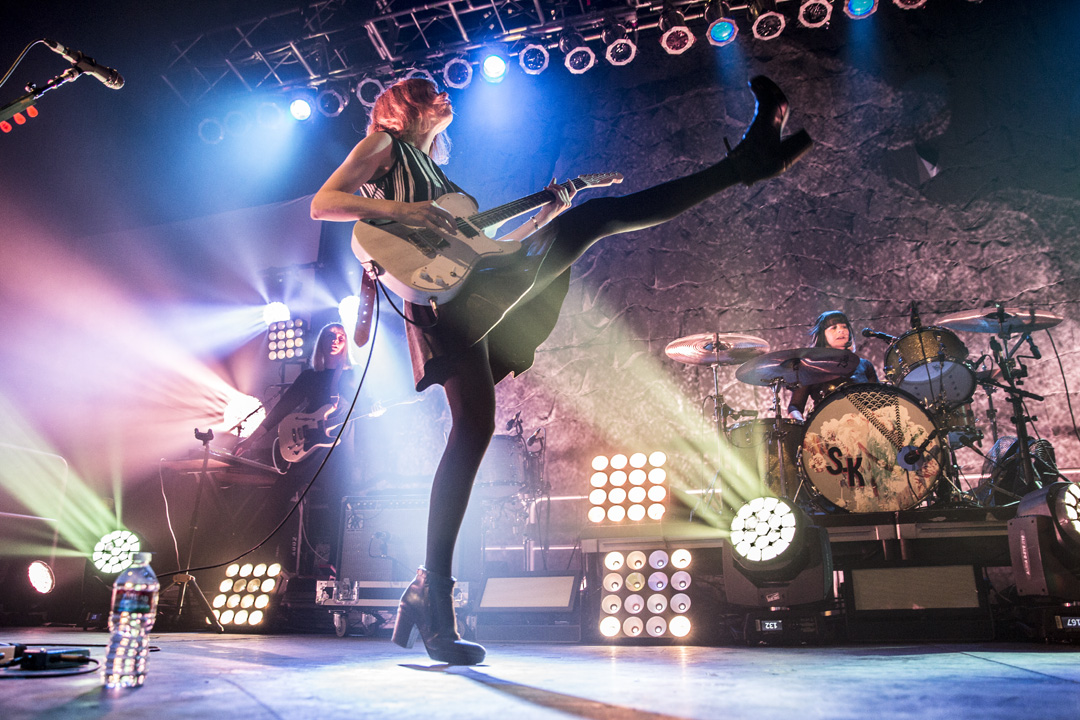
194,675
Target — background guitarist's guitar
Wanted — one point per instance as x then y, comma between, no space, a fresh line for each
420,265
300,433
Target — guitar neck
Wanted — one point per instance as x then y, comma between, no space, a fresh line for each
502,213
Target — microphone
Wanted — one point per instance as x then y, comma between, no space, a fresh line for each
1034,348
109,77
513,421
534,437
916,321
745,413
868,333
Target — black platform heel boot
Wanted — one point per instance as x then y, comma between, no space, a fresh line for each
762,154
428,607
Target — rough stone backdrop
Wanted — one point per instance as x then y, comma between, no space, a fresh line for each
985,94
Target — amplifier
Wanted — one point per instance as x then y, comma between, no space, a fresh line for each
384,539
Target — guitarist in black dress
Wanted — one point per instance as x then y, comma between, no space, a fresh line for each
316,389
492,328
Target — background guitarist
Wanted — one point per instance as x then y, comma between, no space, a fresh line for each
394,171
329,382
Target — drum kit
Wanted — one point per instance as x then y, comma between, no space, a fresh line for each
870,447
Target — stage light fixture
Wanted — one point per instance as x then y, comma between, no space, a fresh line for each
764,529
722,28
815,13
331,102
909,4
493,66
248,595
236,123
620,49
114,551
633,488
421,73
275,312
642,597
300,109
533,59
860,9
269,114
285,340
457,73
579,57
767,22
368,90
774,557
243,413
1044,542
211,131
41,577
677,37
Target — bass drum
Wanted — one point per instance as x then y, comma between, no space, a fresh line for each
756,458
863,450
503,471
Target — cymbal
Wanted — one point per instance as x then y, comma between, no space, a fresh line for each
1015,320
716,349
799,367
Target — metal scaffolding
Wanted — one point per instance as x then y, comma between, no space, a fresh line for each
342,41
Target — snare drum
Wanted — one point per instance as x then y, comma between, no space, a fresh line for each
756,460
502,472
856,449
931,364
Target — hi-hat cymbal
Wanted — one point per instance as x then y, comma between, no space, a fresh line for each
716,349
1010,321
799,367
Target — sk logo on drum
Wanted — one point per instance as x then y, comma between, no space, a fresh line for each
854,477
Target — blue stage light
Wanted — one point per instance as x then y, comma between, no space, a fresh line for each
493,67
858,9
722,32
722,28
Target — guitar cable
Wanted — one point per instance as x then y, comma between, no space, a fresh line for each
382,286
318,471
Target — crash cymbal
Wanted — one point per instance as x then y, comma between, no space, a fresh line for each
716,349
1010,321
798,367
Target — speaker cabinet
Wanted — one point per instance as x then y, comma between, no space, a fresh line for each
384,539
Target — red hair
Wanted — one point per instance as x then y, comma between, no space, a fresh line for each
405,111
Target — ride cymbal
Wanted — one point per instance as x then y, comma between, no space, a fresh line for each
1008,321
798,367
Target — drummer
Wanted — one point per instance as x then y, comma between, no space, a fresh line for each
832,330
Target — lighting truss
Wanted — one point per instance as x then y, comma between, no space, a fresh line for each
342,42
328,41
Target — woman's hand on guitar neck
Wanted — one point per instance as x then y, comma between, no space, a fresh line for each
425,215
564,195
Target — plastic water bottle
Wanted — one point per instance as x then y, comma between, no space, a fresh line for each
134,607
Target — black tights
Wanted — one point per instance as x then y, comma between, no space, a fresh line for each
470,388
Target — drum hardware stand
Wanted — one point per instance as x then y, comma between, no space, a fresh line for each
1013,371
721,413
779,432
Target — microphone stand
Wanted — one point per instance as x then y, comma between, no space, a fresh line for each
33,92
183,578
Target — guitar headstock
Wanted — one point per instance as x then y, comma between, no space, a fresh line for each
601,179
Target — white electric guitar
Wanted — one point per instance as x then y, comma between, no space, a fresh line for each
301,433
421,265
